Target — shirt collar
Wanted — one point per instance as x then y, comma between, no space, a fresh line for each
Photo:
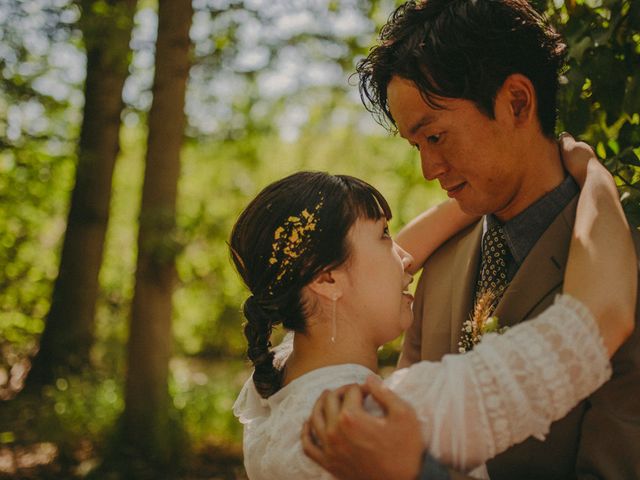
523,231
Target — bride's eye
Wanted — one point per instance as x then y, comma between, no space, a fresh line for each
386,233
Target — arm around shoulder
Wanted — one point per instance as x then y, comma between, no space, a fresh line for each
604,275
602,266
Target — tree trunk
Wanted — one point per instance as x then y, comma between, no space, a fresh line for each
147,404
69,327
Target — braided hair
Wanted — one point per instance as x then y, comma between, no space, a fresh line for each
294,229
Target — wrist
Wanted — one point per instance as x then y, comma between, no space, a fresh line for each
411,468
430,469
598,178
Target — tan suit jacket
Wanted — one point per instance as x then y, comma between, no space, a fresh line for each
599,438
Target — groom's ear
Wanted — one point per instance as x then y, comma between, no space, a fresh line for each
520,96
326,284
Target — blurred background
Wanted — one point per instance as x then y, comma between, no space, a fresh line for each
121,347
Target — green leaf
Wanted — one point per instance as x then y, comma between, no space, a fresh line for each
577,116
634,15
608,80
629,157
629,135
632,96
574,109
631,206
577,49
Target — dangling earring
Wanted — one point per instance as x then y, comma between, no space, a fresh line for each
333,318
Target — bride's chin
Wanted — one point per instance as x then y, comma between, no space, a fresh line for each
406,321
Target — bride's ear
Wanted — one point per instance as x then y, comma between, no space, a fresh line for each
327,284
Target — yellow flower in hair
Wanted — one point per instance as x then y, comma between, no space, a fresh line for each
292,239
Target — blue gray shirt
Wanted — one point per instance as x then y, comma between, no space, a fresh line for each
525,229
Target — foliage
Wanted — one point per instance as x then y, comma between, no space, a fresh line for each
600,101
247,127
39,106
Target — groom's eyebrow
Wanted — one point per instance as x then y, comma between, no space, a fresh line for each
425,120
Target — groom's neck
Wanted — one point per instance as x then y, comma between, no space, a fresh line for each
543,172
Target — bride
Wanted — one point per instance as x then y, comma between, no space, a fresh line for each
315,251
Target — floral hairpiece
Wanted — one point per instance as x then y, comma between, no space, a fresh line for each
291,240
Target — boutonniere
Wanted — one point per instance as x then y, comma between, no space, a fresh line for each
480,322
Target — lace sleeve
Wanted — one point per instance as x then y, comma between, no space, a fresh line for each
511,386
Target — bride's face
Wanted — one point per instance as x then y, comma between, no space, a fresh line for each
375,293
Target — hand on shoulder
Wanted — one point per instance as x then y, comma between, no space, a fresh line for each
351,443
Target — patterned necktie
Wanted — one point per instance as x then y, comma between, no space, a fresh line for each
493,270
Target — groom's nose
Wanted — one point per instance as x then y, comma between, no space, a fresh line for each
433,166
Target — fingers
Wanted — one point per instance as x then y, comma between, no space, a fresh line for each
566,141
576,157
309,446
389,401
331,409
316,421
570,145
353,399
326,413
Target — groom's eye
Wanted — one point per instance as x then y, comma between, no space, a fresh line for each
434,138
416,146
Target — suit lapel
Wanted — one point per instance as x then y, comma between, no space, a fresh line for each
541,273
465,270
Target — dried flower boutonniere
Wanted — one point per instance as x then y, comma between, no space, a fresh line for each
481,321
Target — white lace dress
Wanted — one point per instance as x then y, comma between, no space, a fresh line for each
471,406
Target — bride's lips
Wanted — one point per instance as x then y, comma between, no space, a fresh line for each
454,190
405,290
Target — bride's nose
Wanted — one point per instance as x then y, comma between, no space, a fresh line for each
407,259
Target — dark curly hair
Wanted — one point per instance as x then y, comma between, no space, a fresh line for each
464,49
294,229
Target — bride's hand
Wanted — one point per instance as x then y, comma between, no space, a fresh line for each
576,157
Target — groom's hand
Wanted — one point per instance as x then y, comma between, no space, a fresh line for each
352,444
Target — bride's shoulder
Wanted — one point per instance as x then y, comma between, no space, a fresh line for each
298,397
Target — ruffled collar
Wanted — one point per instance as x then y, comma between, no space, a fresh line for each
250,406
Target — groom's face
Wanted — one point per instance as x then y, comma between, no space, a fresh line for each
473,157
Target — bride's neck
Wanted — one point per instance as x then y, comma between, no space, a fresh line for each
314,350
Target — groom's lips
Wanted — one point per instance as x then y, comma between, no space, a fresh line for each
453,191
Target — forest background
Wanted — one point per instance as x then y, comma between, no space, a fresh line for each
121,347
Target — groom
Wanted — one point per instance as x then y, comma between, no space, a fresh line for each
472,85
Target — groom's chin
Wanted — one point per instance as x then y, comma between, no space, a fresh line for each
470,208
475,207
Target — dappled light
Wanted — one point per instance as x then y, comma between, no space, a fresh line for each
90,263
22,459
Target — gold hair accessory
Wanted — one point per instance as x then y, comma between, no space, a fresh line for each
291,239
